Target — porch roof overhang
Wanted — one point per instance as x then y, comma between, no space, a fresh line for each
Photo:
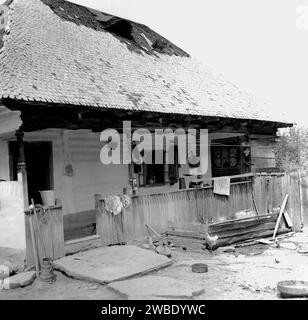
40,115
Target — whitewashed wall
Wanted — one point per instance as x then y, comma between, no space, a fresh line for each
90,175
4,161
12,218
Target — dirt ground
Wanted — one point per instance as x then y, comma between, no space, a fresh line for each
251,272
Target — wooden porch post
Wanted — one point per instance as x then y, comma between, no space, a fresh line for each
21,167
22,178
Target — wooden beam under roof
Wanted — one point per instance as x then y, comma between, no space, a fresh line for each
38,116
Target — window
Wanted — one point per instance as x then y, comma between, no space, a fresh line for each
229,157
225,160
157,174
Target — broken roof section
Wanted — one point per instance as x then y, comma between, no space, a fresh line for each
125,30
58,52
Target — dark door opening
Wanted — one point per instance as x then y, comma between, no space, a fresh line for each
38,157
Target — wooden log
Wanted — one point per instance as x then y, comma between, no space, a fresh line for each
241,223
248,236
240,232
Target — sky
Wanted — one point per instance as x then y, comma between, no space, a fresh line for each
259,45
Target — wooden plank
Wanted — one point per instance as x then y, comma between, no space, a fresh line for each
109,227
241,223
49,237
288,219
236,231
248,236
239,232
57,232
280,215
82,244
45,245
186,234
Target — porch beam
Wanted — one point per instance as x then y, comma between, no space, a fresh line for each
21,167
41,116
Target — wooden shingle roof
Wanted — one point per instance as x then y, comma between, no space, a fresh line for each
59,52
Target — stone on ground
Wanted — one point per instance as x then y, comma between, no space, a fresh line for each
288,245
107,264
157,286
20,280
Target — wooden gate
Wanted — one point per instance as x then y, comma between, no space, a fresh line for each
109,227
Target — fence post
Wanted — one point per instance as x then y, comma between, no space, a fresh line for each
301,197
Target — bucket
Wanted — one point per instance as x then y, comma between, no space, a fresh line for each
47,274
48,198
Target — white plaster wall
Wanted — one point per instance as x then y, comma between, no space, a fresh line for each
90,175
12,221
4,161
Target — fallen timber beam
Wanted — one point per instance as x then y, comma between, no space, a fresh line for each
229,232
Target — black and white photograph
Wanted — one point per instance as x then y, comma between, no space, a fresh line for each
153,151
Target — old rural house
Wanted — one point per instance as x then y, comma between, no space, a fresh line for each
68,72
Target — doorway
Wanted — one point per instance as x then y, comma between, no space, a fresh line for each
38,157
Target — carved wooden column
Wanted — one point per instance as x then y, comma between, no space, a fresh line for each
21,167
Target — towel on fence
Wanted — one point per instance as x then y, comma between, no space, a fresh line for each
222,186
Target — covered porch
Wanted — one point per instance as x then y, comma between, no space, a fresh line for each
57,148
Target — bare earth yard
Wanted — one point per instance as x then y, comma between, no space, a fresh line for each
249,273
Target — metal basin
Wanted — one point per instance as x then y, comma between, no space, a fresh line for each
293,288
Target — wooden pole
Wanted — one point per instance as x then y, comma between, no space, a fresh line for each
22,178
280,215
35,253
301,198
21,167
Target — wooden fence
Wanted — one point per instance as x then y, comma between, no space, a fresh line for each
48,232
179,207
203,206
